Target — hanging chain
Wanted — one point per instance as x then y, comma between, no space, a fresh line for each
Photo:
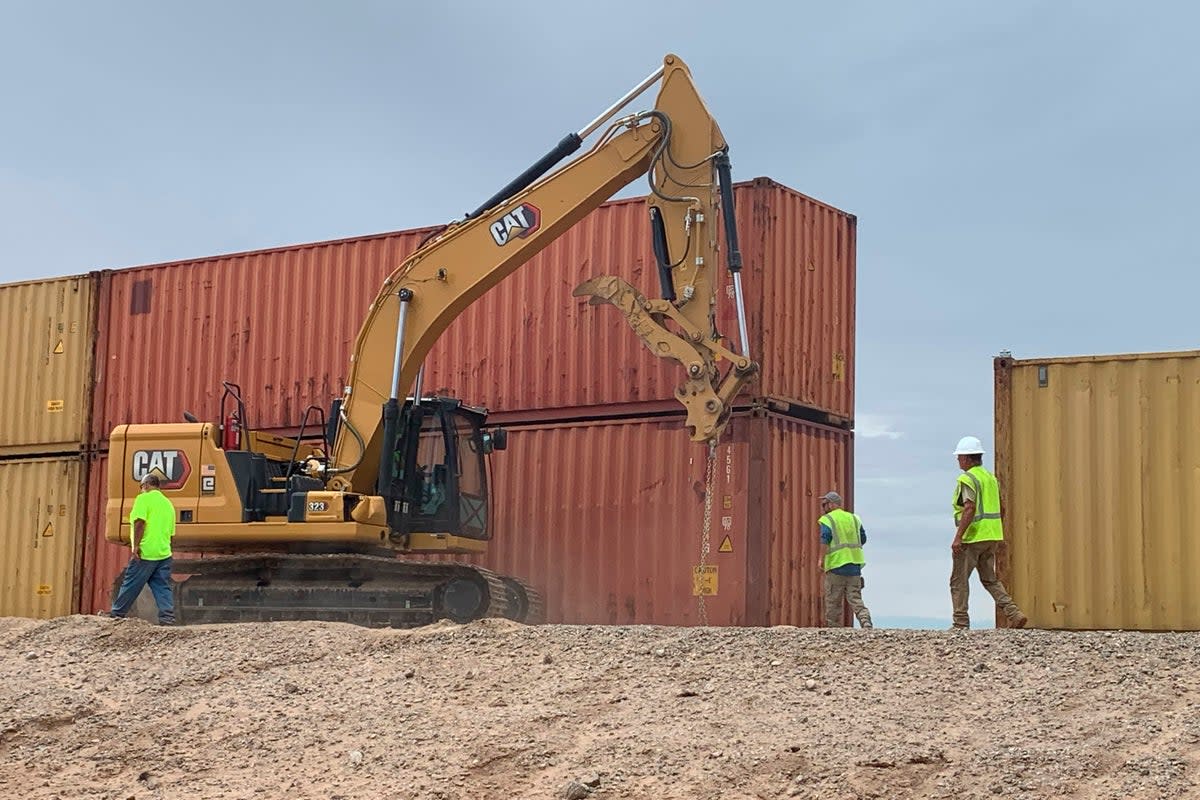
710,473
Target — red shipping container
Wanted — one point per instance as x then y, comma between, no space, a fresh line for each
281,322
605,519
102,560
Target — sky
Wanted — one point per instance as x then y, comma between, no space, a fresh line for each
1023,173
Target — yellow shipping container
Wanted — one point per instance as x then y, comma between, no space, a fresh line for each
47,329
41,542
1099,463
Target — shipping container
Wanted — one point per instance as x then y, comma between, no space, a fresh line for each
47,329
102,560
606,519
280,323
41,535
1099,463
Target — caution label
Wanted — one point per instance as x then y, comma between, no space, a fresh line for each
48,530
54,406
45,590
726,545
704,580
58,348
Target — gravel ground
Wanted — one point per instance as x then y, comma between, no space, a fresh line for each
101,708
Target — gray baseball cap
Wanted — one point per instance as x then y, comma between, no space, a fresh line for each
832,497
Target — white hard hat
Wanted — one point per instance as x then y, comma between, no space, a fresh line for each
969,446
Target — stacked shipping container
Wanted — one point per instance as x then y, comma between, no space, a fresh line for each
281,323
45,390
607,540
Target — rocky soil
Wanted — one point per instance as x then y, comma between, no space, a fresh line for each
100,708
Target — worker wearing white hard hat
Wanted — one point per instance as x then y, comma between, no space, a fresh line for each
978,535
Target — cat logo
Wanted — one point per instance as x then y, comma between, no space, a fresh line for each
520,222
171,467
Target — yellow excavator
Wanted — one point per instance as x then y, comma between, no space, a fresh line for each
316,527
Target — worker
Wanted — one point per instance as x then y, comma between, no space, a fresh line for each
153,521
978,535
843,535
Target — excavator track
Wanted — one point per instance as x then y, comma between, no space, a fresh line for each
525,603
373,591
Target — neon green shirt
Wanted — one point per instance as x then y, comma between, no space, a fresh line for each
154,507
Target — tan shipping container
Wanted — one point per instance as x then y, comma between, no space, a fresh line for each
41,533
1099,463
48,333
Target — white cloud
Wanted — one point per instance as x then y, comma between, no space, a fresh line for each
875,426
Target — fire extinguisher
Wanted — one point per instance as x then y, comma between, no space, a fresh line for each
231,436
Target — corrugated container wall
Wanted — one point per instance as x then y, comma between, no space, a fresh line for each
47,328
1099,459
281,322
615,540
803,462
41,533
102,559
804,287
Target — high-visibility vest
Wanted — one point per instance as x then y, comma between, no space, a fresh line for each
986,527
846,544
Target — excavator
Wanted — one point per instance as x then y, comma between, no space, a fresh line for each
326,525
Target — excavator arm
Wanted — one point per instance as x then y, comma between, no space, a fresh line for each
680,147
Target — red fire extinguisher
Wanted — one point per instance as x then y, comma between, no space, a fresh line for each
231,437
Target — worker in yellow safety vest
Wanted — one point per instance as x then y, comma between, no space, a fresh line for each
978,535
843,535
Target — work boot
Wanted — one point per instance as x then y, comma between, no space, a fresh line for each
1019,622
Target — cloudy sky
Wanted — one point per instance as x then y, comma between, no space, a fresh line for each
1024,174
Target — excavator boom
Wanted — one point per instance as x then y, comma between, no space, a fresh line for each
678,144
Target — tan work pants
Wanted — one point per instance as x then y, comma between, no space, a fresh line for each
848,588
979,556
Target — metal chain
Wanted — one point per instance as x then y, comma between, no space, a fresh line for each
710,472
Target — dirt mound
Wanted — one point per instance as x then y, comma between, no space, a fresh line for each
99,708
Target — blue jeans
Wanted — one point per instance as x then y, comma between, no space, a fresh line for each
138,573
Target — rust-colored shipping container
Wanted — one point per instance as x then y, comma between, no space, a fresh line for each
1098,460
102,560
41,535
281,322
605,518
46,328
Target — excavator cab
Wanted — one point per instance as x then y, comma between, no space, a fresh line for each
439,477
